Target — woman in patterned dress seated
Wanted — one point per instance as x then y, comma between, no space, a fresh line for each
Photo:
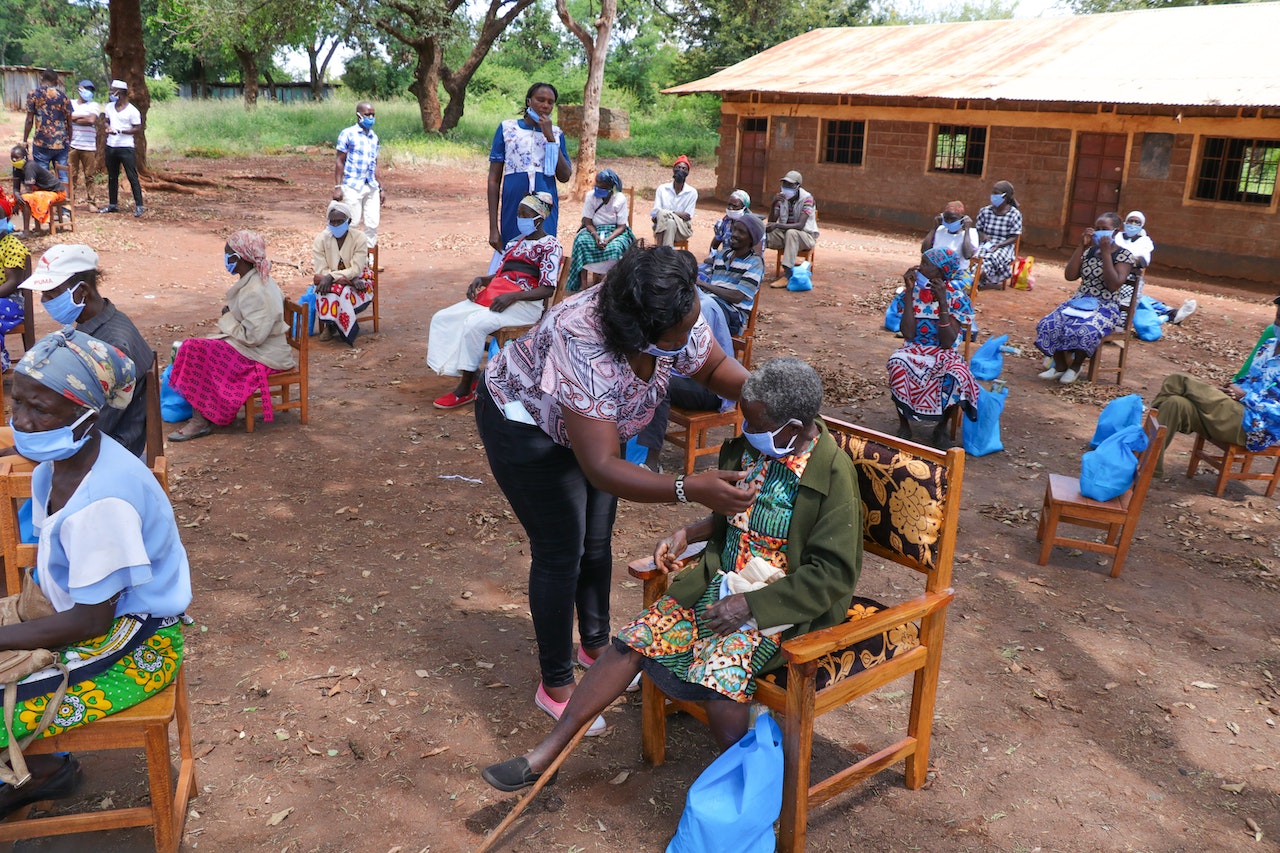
702,642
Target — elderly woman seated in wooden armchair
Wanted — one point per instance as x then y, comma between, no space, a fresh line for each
785,566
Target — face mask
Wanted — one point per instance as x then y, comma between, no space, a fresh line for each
340,230
231,261
63,308
86,95
954,227
366,122
1132,231
50,445
657,352
790,192
765,442
533,116
678,175
527,226
1098,235
997,199
19,164
113,98
734,213
602,193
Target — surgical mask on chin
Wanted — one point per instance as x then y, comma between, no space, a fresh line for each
63,308
766,442
1132,231
86,95
657,352
953,227
733,213
51,445
790,192
340,230
230,262
367,122
997,199
526,226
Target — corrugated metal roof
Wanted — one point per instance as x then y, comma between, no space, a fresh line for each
1196,55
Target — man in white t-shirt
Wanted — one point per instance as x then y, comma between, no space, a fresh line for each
85,112
123,121
673,206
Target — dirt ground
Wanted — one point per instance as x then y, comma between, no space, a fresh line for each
362,644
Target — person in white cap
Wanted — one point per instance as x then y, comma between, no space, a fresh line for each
66,280
793,223
123,121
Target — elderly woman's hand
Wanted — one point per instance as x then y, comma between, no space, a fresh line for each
502,302
477,284
666,556
939,288
728,614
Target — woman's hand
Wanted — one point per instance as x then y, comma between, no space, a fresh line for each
503,301
909,279
1104,243
720,491
666,556
967,223
477,284
939,288
728,614
1086,238
495,237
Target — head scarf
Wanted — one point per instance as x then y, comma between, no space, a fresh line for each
1138,215
956,207
250,246
682,160
85,370
611,177
339,206
946,260
754,226
1006,188
540,201
741,195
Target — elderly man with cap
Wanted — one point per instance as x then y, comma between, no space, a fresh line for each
673,206
85,115
66,280
343,279
793,223
736,272
1245,411
113,579
123,121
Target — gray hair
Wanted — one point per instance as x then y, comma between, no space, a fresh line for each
788,387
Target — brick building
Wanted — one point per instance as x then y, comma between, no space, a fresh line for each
1174,112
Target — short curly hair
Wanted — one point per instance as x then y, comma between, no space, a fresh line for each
788,387
647,292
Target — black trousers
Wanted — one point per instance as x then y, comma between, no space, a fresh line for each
128,158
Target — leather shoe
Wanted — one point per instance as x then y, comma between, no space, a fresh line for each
512,775
61,783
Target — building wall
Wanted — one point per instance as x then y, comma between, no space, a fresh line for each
1035,150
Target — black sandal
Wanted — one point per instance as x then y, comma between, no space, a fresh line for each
63,782
512,775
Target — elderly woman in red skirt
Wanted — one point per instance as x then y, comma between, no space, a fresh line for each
219,373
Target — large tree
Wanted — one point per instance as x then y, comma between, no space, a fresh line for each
128,59
597,51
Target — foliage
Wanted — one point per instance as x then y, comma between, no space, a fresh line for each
1093,7
55,33
924,12
163,88
369,75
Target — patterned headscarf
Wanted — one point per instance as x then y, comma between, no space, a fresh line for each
956,207
539,201
611,177
741,195
683,160
251,246
339,206
85,370
948,261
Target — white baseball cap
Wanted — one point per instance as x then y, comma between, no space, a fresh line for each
119,84
59,264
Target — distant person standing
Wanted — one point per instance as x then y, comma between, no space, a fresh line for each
49,114
529,155
85,112
355,173
123,121
673,206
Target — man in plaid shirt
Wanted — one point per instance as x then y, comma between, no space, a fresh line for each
355,173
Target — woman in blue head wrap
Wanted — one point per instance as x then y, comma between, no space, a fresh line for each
111,577
927,377
605,234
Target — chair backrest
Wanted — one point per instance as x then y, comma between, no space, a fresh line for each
561,292
910,498
15,489
295,319
1130,308
631,206
155,421
744,341
976,269
1147,462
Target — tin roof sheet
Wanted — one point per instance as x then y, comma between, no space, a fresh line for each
1201,55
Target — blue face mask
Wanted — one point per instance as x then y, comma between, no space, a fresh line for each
953,227
50,445
113,97
657,352
997,199
63,308
340,230
602,193
86,94
532,116
1099,234
766,442
1132,231
231,261
526,226
366,121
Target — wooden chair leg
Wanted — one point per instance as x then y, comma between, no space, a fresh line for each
1224,474
1196,453
653,722
924,696
250,413
160,779
1275,477
1050,530
797,747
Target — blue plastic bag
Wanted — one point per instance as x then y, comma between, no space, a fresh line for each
309,299
893,314
174,408
1120,413
1108,472
987,362
634,452
731,807
801,279
982,436
1147,322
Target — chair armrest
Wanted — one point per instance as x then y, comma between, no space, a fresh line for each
816,644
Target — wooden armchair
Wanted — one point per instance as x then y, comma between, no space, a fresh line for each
1121,336
1228,458
282,384
1063,503
507,334
828,669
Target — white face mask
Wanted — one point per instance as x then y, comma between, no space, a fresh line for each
790,192
733,213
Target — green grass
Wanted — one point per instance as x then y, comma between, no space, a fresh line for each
223,128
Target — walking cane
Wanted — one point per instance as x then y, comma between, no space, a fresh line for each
543,780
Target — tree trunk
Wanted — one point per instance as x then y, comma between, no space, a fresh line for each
426,82
597,49
313,56
249,75
128,55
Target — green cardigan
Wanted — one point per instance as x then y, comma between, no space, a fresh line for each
824,547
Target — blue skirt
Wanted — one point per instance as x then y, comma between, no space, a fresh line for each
1062,332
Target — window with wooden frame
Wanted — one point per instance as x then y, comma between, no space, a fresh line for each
842,142
959,150
1240,170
